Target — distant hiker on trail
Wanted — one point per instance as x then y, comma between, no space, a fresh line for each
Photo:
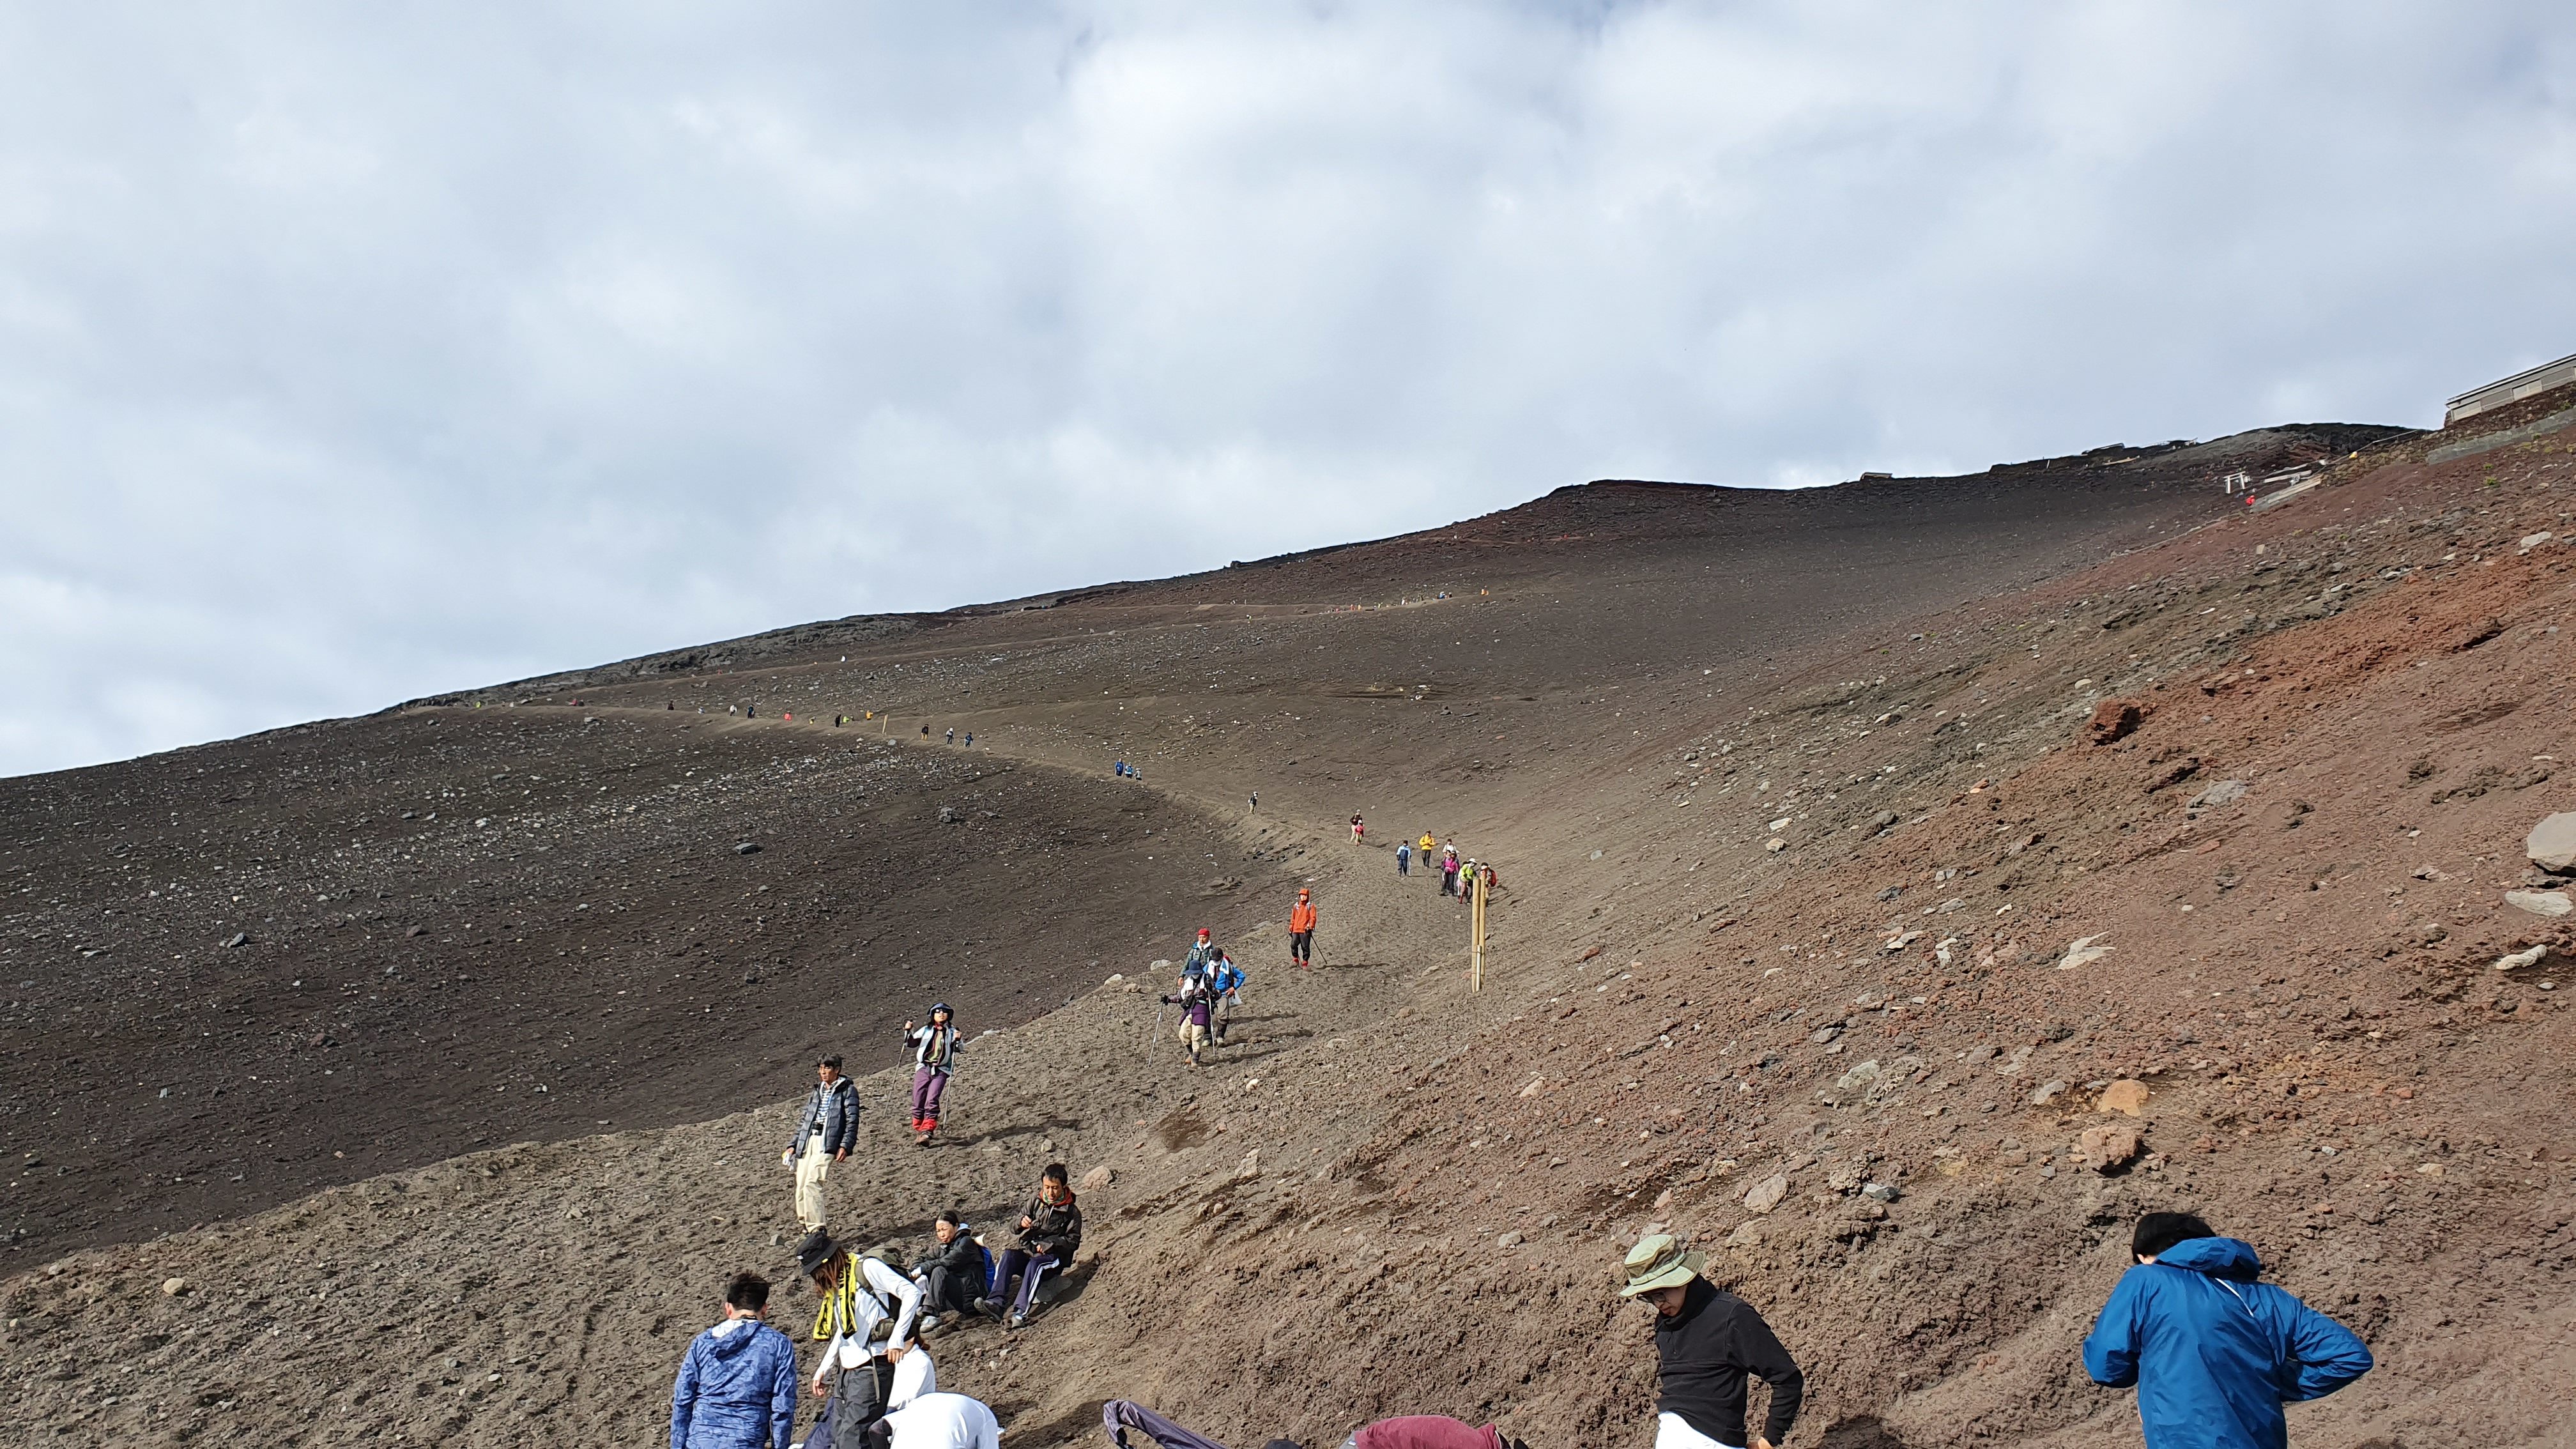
737,1383
1197,1000
952,734
1706,1341
1225,985
954,1275
934,1058
1358,831
1049,1232
1301,925
936,1421
827,1131
925,732
2213,1353
866,1314
1422,849
1253,806
970,739
1449,870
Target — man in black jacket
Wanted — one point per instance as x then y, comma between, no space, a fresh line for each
1708,1341
1050,1230
826,1132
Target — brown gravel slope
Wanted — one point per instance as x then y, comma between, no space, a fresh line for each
1400,1198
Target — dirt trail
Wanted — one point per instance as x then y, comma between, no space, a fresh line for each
2354,706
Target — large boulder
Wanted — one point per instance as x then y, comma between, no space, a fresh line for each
2113,720
2553,843
2108,1148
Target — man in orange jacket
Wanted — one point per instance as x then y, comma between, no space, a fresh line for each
1301,931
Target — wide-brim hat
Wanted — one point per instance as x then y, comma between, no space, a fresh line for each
1660,1261
815,1250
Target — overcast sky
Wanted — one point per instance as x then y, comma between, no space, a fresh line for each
349,353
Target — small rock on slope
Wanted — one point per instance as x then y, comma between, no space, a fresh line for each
2108,1148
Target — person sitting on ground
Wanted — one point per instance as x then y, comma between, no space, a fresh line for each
1707,1341
1049,1232
867,1314
954,1276
935,1421
737,1383
2213,1353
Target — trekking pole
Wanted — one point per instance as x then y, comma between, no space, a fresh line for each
1156,1038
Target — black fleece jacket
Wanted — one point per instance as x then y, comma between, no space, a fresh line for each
1707,1349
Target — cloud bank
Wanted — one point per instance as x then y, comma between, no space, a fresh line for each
351,353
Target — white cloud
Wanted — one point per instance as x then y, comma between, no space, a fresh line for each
351,354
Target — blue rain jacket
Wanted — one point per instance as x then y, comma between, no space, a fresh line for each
736,1390
2213,1353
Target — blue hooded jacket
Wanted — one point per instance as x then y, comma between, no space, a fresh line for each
737,1389
2213,1353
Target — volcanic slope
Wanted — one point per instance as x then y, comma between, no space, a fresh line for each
519,913
2353,707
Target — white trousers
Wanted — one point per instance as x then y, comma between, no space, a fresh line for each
1672,1433
811,1170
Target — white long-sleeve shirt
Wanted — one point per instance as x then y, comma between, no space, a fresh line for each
914,1376
944,1421
850,1348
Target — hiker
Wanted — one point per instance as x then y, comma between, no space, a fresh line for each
1225,983
1198,1006
954,1275
934,1058
1449,871
866,1313
1301,925
925,731
1422,851
826,1131
1357,830
952,734
1404,857
1425,1431
2213,1353
1050,1229
1706,1341
1202,955
970,739
1253,806
935,1421
737,1383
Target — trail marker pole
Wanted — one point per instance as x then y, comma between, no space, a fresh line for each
1476,932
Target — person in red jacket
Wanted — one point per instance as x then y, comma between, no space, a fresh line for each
1301,931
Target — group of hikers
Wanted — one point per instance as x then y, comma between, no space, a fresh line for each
1459,876
2212,1352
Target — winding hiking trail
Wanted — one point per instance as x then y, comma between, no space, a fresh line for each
1798,807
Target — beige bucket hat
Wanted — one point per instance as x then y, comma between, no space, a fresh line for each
1658,1261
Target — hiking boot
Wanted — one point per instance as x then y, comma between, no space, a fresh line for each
1016,1322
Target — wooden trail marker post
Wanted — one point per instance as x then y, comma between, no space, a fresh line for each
1476,932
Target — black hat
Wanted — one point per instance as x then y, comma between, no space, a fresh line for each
940,1006
815,1251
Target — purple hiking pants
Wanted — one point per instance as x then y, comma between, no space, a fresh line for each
926,1087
